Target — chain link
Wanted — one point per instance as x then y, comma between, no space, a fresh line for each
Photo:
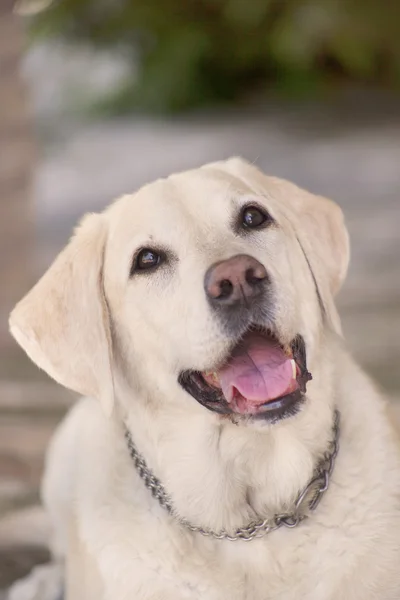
307,500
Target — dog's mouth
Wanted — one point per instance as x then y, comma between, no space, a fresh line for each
261,378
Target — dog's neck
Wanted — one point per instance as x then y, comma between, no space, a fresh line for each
307,499
221,476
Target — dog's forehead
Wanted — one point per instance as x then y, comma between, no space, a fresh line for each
199,197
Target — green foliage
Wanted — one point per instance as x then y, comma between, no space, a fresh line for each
196,52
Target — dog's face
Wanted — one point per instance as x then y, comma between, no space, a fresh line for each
217,283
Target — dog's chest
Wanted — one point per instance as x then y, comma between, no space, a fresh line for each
142,553
150,558
282,566
160,563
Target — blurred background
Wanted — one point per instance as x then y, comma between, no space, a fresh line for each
98,97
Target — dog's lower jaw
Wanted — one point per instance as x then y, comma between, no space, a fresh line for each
284,408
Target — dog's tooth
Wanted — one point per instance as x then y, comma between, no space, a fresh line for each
294,368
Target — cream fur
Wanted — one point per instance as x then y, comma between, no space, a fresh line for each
124,341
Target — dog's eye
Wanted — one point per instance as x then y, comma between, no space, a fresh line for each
146,259
253,217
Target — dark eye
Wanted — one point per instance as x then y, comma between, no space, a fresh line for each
147,259
253,217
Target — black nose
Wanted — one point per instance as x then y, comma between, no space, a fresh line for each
235,281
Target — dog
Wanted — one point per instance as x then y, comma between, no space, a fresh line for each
228,446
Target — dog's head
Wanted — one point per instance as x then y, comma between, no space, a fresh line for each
215,284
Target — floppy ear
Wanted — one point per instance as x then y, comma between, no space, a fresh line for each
63,322
318,224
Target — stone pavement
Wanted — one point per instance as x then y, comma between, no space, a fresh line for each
348,150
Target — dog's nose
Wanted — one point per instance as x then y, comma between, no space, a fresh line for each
236,280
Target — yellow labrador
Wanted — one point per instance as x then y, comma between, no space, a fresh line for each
229,447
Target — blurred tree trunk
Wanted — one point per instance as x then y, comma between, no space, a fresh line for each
17,159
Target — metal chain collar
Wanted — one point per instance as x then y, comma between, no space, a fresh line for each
307,500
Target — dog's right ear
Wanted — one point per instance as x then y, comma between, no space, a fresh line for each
63,323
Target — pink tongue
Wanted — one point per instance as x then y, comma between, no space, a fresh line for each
259,370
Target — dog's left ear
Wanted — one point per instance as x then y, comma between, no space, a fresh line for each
63,322
317,222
